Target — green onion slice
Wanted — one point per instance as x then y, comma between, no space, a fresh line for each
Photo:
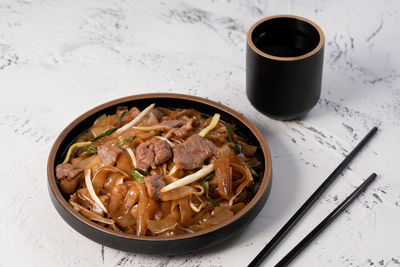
89,150
124,141
110,131
235,147
137,175
205,185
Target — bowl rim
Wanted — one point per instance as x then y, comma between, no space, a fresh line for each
261,190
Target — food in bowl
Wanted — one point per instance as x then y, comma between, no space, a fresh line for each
158,172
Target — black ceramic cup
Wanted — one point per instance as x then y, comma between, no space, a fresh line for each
284,61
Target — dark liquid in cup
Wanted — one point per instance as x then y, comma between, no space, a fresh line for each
285,38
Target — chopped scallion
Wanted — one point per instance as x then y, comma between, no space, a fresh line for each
205,185
235,147
110,131
124,141
229,133
137,175
89,150
144,173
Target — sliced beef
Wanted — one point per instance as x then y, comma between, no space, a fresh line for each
158,113
162,152
173,123
152,153
108,154
67,171
154,183
145,155
182,131
193,152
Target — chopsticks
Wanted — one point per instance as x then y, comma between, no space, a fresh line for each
266,251
320,227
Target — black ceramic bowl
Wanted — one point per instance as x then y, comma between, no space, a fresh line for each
160,245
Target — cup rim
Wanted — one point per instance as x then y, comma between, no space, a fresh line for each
263,54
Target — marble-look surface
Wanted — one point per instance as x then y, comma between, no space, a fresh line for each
60,58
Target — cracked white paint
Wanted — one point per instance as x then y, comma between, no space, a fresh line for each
60,58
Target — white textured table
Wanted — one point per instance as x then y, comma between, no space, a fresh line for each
60,58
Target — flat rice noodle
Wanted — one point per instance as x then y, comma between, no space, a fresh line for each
247,150
130,230
221,214
237,207
73,202
203,215
183,230
144,135
221,128
131,197
152,208
84,199
115,201
94,217
173,115
248,179
151,120
197,227
244,196
253,162
133,211
130,115
168,223
112,120
223,175
84,137
124,162
237,182
91,162
126,220
101,127
214,135
158,215
141,220
128,133
185,211
136,142
105,200
190,113
246,173
115,227
178,193
87,213
68,187
226,151
101,175
165,207
178,230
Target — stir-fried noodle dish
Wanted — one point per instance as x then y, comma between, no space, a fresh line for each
158,172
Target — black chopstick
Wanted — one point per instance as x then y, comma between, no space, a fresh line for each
309,202
320,227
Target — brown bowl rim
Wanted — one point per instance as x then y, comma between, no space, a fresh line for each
263,54
262,189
